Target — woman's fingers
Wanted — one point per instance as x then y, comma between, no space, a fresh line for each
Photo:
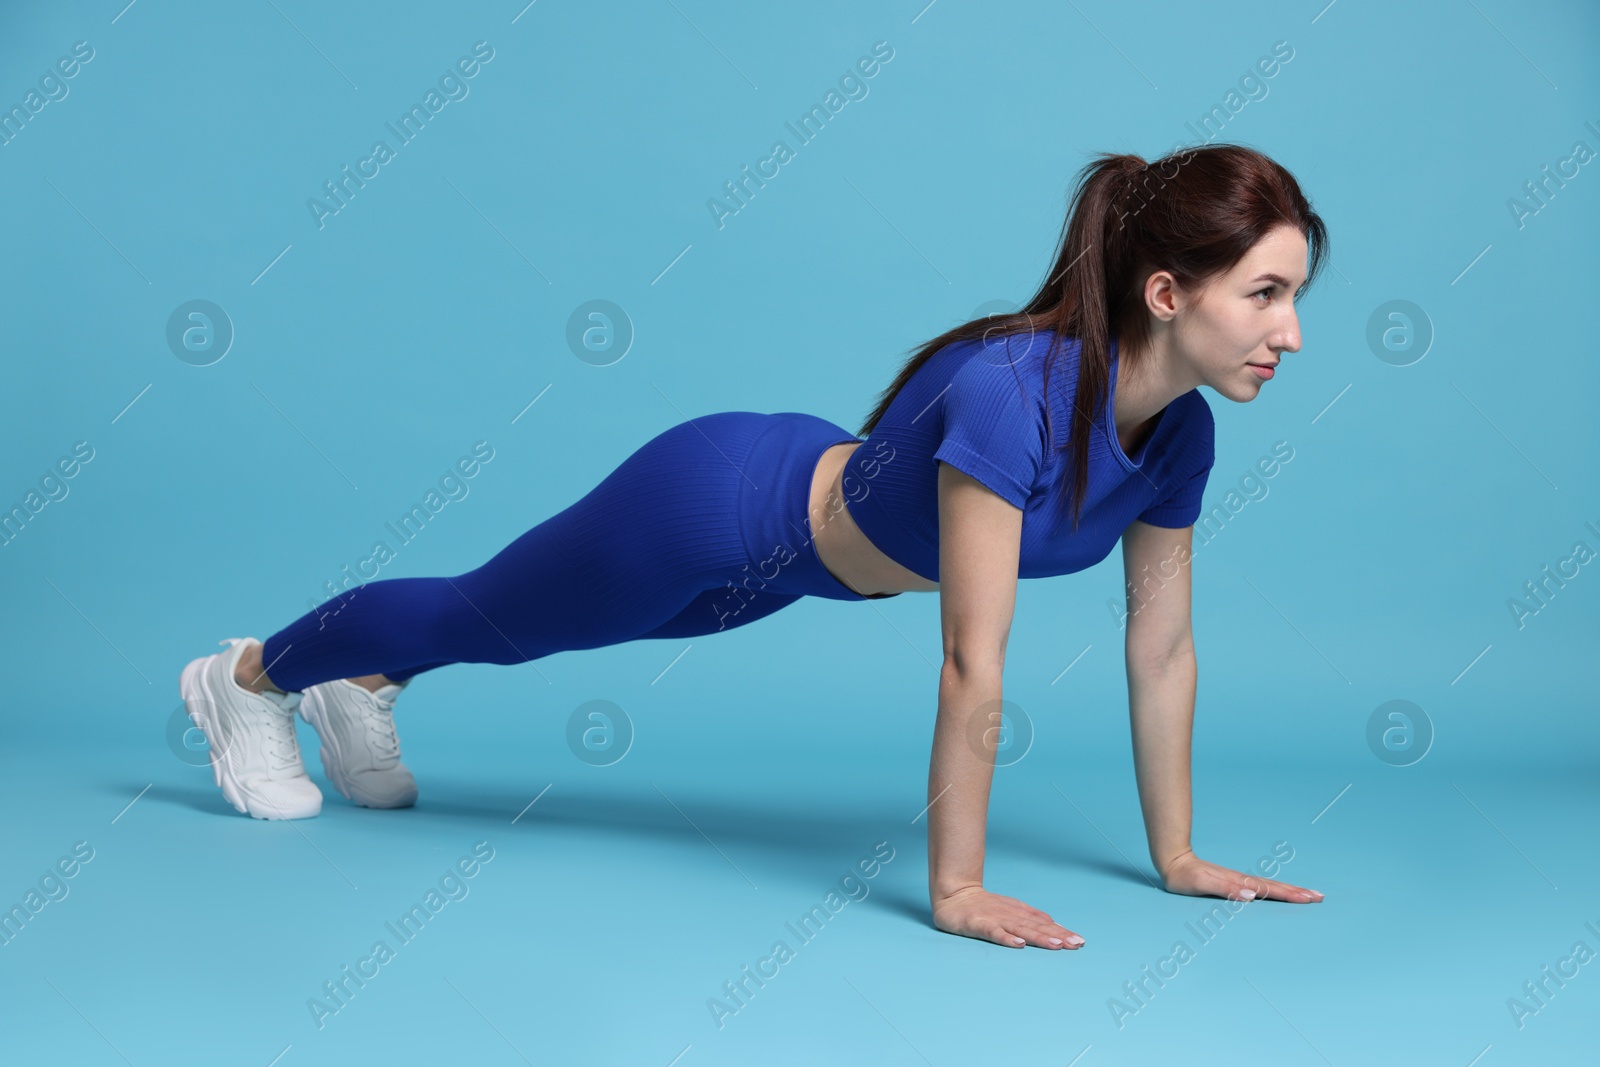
1021,932
1293,893
1267,889
1037,928
1051,935
1041,937
1002,920
1001,935
1208,879
1198,878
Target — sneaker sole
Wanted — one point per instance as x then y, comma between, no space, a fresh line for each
197,699
313,712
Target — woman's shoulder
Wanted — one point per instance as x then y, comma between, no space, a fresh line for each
1014,357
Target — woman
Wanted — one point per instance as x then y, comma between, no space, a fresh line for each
982,467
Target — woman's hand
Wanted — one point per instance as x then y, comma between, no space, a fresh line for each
1193,876
973,911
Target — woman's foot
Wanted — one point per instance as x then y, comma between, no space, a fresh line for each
255,756
360,751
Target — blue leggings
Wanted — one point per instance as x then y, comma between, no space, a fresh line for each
702,529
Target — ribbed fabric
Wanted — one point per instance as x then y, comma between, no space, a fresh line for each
702,529
982,410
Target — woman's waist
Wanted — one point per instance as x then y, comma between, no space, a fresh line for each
876,488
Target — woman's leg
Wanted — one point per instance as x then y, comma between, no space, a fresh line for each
713,611
723,608
628,560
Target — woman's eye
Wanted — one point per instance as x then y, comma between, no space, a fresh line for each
1268,290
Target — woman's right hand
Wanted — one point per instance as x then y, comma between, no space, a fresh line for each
973,911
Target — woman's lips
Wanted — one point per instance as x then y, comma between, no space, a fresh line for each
1264,372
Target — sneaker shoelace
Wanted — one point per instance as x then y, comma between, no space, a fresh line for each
282,745
378,718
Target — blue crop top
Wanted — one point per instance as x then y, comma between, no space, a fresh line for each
970,407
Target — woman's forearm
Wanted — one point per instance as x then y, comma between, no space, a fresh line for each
959,776
1161,709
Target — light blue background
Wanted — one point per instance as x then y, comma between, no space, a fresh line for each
433,309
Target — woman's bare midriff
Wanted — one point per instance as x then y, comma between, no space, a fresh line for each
842,547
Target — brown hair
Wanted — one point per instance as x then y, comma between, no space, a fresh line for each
1207,208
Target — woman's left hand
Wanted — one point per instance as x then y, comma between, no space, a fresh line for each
1193,876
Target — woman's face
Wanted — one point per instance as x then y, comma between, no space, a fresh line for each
1244,316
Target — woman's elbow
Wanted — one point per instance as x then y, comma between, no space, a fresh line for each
1159,657
967,661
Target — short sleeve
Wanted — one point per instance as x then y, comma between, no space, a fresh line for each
1179,503
993,428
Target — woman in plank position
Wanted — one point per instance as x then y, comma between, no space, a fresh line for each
1015,446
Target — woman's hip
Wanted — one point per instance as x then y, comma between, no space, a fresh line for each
775,505
719,500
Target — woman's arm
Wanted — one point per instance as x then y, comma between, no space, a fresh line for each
980,536
1161,687
1161,710
1159,649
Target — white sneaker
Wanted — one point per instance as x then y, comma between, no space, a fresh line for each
360,751
255,756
